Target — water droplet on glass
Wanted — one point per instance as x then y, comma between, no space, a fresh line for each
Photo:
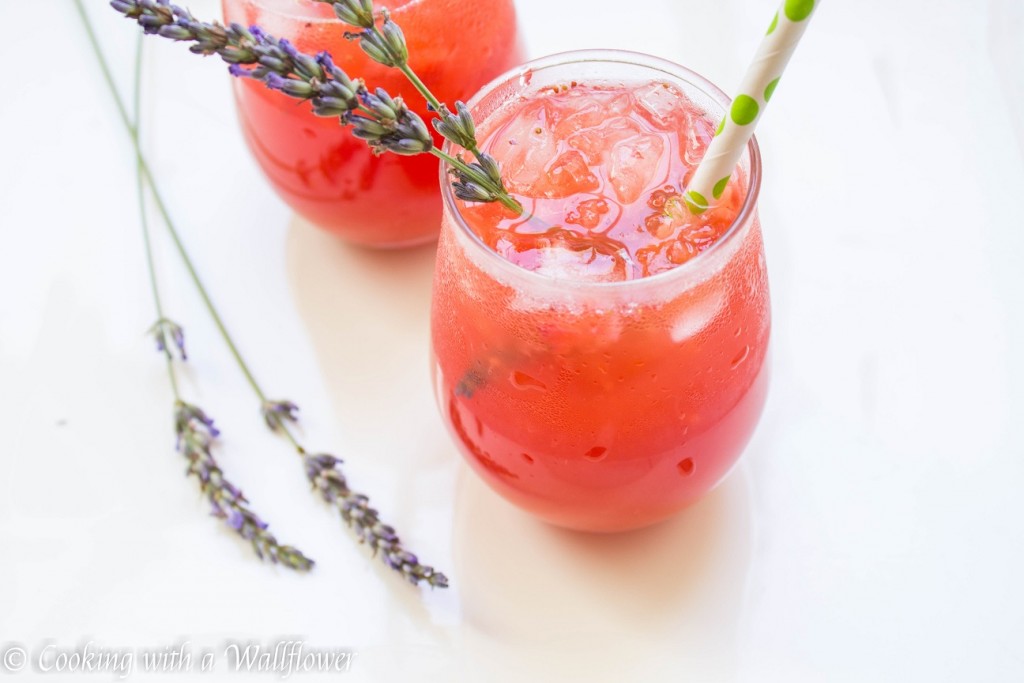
596,453
741,356
686,467
520,380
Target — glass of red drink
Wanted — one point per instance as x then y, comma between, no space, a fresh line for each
600,361
316,165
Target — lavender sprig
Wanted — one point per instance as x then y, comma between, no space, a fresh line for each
327,479
196,435
383,121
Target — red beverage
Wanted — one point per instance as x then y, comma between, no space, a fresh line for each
602,362
317,166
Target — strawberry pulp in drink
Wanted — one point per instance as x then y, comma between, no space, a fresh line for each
600,359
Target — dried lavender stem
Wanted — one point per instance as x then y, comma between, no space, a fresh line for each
195,431
322,470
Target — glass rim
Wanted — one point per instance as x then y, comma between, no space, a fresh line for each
298,12
629,57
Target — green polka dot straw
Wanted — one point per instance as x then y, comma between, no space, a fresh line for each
712,175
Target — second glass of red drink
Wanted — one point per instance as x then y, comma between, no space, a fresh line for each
324,173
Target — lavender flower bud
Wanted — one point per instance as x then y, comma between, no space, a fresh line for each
473,173
489,165
465,119
367,129
151,24
235,520
276,413
335,99
287,48
166,332
290,86
407,146
175,32
308,68
472,192
273,64
395,41
383,107
457,128
355,12
377,47
126,8
330,106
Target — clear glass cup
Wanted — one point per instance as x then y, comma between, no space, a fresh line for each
324,173
602,406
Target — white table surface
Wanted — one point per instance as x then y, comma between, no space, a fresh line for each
874,530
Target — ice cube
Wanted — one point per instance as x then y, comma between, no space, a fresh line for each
632,165
587,109
567,175
524,148
695,138
663,105
594,143
593,212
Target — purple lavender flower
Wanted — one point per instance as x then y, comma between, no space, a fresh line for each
276,413
195,435
327,479
167,333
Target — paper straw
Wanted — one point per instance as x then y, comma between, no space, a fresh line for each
756,89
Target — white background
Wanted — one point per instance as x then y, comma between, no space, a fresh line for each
873,530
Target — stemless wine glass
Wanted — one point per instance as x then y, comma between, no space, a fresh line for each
601,406
316,165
